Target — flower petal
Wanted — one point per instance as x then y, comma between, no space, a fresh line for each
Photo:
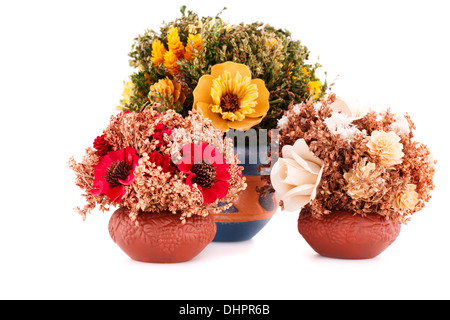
189,181
262,106
100,186
231,67
297,198
202,93
116,194
295,203
216,119
220,188
101,168
296,175
277,176
245,124
305,158
316,186
222,172
209,195
185,166
118,155
129,180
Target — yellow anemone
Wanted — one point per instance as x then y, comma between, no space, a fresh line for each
230,98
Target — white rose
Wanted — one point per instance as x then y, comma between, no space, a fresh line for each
296,176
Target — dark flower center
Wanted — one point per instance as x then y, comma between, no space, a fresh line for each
205,174
119,170
229,103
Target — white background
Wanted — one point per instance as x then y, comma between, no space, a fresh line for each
62,66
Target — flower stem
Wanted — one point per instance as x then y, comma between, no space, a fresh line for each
275,101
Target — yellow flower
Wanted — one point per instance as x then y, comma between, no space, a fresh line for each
272,43
315,88
174,43
192,28
385,148
230,98
229,28
128,91
158,51
407,199
194,42
167,92
170,62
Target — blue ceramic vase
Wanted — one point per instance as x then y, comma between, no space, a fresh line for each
251,212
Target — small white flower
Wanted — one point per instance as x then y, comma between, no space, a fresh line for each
296,108
337,121
344,113
353,108
348,133
283,122
400,127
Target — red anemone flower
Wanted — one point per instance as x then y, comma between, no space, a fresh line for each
206,167
114,171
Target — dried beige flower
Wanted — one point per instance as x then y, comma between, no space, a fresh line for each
364,181
407,199
385,148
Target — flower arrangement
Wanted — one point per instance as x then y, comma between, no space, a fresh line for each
159,162
238,76
336,157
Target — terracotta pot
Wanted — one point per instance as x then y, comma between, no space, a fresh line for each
161,237
344,235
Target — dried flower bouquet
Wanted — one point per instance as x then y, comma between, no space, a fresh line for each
187,64
335,157
159,162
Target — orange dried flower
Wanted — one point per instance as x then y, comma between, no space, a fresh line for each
174,43
170,62
167,92
194,43
158,51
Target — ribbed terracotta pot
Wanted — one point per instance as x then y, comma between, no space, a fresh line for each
344,235
161,237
